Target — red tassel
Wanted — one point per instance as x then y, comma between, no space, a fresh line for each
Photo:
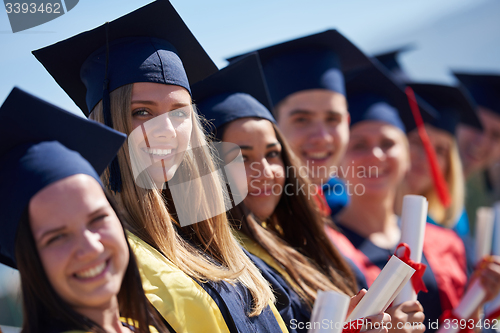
437,177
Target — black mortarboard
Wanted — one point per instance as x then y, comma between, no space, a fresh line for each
150,44
451,103
42,144
236,91
484,88
312,62
389,59
373,95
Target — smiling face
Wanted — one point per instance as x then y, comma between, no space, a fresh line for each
80,241
316,125
376,158
419,178
264,167
162,125
478,149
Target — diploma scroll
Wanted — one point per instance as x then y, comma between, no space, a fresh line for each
492,308
8,329
384,289
469,303
413,220
329,312
484,231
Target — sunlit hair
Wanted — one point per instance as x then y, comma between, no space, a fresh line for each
43,308
453,176
194,248
294,235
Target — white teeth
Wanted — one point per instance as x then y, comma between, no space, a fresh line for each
91,272
318,155
157,152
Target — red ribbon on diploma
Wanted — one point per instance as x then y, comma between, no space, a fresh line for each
416,280
354,326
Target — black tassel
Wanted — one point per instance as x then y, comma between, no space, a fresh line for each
115,179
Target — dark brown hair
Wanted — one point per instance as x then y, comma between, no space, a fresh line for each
45,311
295,237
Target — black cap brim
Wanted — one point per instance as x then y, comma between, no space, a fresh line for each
243,76
376,80
449,98
25,118
351,57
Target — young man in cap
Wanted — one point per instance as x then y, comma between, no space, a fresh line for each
305,78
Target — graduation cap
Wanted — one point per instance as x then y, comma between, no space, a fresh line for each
451,103
150,44
484,88
389,60
42,144
313,62
236,91
373,95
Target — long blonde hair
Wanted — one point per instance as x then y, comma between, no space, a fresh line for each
149,217
447,217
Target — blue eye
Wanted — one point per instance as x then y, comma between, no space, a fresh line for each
178,113
140,112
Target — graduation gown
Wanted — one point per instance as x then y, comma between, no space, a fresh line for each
190,306
444,255
292,311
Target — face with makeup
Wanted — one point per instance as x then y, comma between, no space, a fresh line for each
316,125
264,166
161,118
376,158
419,177
80,241
479,149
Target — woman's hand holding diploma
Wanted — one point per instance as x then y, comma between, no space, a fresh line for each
407,317
369,325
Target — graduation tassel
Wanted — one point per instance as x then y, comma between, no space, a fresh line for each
437,176
115,181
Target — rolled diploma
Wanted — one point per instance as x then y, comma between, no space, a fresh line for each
496,228
484,230
8,329
331,307
495,303
384,289
469,303
413,220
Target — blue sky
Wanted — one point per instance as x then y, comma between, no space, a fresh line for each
226,28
